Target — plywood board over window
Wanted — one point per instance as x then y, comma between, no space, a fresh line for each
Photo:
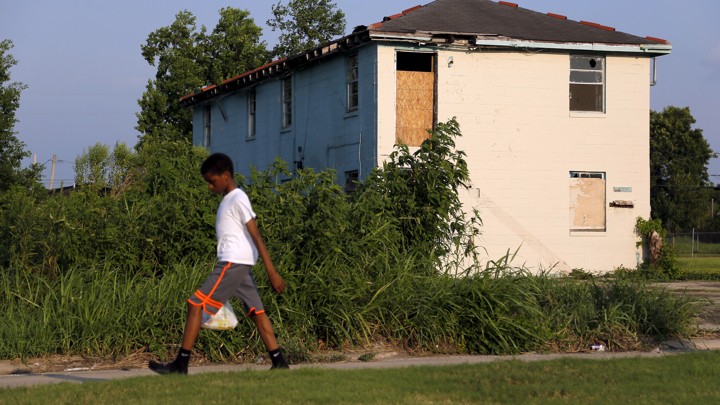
415,97
587,201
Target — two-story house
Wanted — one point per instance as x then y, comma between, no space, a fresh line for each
554,115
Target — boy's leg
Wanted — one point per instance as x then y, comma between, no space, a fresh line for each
264,327
211,295
192,329
247,292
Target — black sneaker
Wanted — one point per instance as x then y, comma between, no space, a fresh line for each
279,366
278,361
167,368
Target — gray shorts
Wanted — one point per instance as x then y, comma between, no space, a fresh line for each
228,280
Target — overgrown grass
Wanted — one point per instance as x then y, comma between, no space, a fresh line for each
675,379
336,304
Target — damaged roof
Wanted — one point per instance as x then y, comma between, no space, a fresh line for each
503,19
469,23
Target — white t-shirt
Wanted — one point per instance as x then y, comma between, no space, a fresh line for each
234,242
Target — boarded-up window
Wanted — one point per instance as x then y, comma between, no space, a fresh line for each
587,201
415,111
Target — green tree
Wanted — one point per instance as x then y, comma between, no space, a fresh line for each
12,150
187,59
234,46
98,167
93,166
680,190
305,24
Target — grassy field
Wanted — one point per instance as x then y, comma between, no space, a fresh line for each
672,379
700,267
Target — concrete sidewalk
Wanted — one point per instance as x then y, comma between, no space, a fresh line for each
84,375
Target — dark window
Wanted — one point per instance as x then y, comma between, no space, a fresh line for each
207,125
415,62
287,102
252,104
587,83
351,181
352,83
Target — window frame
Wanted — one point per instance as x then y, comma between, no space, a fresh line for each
583,78
352,179
207,125
252,113
286,99
352,87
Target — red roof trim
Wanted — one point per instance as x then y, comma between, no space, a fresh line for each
558,16
267,65
507,3
410,10
374,25
660,40
596,25
240,76
392,17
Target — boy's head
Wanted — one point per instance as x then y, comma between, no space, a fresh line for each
218,171
217,163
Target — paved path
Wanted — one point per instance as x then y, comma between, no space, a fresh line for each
75,375
708,291
83,376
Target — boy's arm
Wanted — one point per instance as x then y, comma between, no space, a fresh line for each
278,284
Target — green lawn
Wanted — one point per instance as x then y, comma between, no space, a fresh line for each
673,379
700,267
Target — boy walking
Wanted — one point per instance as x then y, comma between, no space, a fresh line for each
239,244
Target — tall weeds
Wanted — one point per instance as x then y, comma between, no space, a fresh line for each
100,312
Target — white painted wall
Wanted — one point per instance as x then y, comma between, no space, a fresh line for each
522,141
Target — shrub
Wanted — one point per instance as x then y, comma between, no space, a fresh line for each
666,267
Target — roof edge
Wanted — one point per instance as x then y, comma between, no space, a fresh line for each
658,47
275,68
650,49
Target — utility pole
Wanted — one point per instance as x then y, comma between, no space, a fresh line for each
52,171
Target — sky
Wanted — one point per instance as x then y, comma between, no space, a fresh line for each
82,64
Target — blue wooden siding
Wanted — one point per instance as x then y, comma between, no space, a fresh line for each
323,133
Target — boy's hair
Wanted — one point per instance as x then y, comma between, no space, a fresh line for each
217,163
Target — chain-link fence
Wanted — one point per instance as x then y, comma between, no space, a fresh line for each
695,244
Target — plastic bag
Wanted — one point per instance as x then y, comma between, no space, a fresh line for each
224,319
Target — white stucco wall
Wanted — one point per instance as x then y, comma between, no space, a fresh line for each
522,142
